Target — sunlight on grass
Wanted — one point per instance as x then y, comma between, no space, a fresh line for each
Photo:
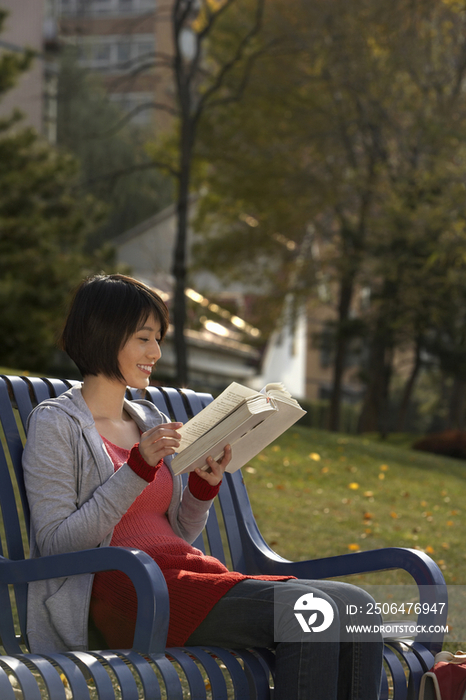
318,494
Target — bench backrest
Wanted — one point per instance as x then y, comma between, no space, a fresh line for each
225,533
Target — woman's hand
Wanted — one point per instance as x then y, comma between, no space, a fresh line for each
216,469
159,442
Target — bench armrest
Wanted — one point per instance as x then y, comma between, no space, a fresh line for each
153,605
425,572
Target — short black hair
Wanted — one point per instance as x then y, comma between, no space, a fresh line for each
106,310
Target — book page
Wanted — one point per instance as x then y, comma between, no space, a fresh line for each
213,413
276,390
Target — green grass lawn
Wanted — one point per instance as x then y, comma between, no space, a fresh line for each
318,494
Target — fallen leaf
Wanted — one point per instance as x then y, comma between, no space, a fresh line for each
316,457
429,549
384,467
393,515
368,494
354,485
381,477
250,470
353,547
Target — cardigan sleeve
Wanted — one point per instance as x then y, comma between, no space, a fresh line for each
69,510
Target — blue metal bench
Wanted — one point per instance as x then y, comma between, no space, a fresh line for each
149,670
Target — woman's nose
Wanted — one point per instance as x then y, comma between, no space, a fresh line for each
155,351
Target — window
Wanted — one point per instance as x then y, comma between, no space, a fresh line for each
89,8
130,101
102,7
145,49
101,53
66,7
123,51
126,6
112,53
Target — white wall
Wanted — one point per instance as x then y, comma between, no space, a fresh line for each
285,358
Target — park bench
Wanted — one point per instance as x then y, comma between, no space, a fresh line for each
148,670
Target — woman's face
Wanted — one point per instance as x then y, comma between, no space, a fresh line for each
139,354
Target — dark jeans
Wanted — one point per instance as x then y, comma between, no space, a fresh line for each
308,670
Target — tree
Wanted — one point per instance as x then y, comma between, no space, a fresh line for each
303,151
339,122
43,234
424,212
202,86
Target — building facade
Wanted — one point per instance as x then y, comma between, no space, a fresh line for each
23,29
128,43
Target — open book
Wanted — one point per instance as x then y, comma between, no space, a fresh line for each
246,419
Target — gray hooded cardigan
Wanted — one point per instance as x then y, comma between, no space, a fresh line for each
76,499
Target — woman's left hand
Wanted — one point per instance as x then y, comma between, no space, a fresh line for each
216,469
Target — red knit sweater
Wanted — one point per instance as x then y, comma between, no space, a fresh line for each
195,581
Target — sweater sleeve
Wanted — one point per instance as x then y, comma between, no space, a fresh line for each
73,504
201,489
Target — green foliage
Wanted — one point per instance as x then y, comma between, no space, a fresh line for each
12,63
44,225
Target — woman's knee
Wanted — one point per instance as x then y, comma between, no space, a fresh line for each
302,612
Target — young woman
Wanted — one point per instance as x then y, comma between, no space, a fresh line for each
97,473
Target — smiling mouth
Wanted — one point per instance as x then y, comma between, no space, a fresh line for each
147,369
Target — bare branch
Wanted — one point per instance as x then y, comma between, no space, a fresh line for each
132,113
141,68
213,17
180,15
160,59
229,65
243,82
117,174
195,65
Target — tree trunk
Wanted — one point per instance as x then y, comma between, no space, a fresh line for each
344,304
179,261
457,404
408,389
372,416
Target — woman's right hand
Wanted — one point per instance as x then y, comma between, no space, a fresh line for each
159,442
